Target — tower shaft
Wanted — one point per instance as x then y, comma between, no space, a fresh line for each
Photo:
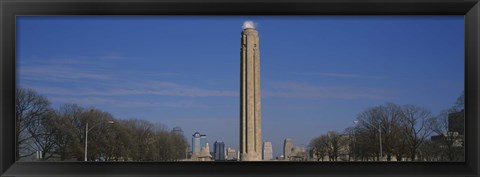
250,114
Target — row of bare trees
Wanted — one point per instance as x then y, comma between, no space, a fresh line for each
395,132
329,145
49,134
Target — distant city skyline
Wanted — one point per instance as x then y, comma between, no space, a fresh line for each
317,73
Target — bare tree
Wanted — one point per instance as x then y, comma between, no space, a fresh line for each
166,147
334,144
429,151
330,144
67,131
380,126
392,139
358,144
179,143
319,146
368,131
61,134
30,109
143,134
415,126
42,137
117,142
451,142
99,129
351,142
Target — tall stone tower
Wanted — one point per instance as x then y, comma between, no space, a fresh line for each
250,115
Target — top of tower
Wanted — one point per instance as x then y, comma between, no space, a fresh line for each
196,134
248,25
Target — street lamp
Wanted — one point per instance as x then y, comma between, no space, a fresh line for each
86,135
380,137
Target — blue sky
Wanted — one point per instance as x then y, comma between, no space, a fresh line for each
317,73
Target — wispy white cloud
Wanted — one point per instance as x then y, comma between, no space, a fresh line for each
174,89
139,88
59,73
84,81
342,75
81,69
77,60
298,90
90,101
98,101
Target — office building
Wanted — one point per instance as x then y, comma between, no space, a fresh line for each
267,151
198,141
456,122
219,150
177,131
287,148
203,140
231,154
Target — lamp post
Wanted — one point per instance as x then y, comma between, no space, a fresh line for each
86,135
380,137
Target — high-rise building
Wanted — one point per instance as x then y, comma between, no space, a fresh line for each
198,141
267,151
219,150
203,141
250,114
456,122
177,131
287,148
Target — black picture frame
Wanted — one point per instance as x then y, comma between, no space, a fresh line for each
12,8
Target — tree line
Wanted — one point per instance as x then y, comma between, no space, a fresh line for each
395,132
59,134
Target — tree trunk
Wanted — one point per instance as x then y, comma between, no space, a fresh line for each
412,156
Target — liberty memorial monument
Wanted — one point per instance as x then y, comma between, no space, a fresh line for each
250,114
